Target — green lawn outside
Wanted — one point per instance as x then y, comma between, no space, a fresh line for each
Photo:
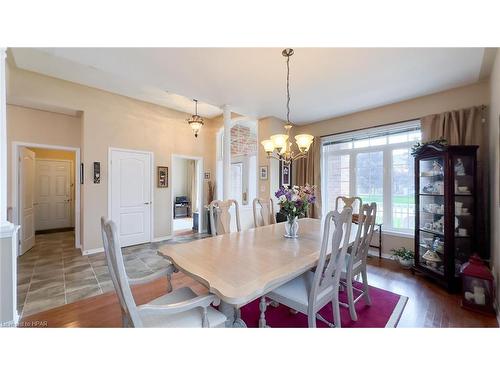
398,199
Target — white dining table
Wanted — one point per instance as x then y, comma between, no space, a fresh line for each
242,266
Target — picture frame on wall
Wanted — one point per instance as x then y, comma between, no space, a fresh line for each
263,172
162,177
285,174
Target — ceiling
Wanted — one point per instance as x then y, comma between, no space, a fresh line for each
325,82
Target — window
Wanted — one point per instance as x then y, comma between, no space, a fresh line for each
243,170
237,182
376,165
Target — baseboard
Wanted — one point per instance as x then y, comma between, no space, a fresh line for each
164,238
92,251
374,254
56,230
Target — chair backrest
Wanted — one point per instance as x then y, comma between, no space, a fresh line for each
366,226
220,217
116,267
111,270
348,202
263,212
330,265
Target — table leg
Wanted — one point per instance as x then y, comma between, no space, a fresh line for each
233,315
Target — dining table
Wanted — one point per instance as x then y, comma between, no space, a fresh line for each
240,267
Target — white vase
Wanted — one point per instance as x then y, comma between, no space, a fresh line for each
291,227
405,263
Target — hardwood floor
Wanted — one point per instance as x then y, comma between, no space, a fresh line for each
428,305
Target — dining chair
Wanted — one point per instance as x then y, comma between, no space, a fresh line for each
263,212
348,202
356,259
179,308
220,216
311,291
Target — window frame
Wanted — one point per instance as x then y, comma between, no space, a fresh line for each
387,152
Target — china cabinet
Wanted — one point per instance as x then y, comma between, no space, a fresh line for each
445,206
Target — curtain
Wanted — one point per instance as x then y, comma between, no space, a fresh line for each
307,171
465,127
192,182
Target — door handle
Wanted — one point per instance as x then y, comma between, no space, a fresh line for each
146,203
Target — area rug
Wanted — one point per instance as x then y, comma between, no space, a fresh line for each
385,311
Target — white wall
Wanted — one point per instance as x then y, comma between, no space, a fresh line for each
179,177
110,120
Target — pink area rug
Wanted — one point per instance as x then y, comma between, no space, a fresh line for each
385,311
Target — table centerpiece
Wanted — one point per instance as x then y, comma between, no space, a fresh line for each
294,203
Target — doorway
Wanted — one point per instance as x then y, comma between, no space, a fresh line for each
46,191
130,195
187,195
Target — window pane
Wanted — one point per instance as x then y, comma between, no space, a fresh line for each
403,192
237,182
378,141
362,143
415,135
398,138
370,179
341,146
337,178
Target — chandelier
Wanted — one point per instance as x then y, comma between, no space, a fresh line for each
279,146
195,121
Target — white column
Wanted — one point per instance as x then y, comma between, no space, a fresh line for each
226,160
8,231
3,139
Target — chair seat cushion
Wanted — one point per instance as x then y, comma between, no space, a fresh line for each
187,319
295,293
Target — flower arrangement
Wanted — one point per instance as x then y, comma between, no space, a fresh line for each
294,202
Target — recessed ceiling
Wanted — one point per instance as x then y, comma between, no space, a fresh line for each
325,82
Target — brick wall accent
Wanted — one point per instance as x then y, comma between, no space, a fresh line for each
243,141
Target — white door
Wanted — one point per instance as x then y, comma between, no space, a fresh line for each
27,212
130,189
53,194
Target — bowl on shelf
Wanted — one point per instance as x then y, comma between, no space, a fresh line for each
431,258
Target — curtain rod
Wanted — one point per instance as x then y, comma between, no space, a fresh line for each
371,127
482,107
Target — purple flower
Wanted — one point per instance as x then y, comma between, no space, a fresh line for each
298,203
280,192
288,195
311,199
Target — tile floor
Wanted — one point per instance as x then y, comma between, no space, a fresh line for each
54,273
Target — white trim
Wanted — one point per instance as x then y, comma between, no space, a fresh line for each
3,136
153,175
200,189
15,183
7,229
93,251
397,312
164,238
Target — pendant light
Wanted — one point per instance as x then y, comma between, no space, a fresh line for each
279,146
195,121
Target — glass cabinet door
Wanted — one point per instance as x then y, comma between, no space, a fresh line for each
463,177
431,214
